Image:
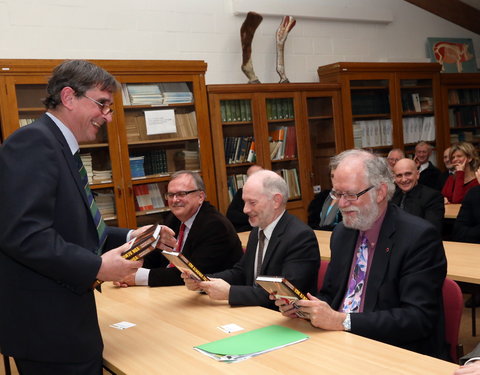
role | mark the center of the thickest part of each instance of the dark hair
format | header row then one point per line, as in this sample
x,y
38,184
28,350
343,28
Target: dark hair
x,y
81,76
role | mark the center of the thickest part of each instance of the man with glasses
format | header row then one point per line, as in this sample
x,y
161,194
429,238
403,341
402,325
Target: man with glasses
x,y
53,242
387,267
279,245
206,237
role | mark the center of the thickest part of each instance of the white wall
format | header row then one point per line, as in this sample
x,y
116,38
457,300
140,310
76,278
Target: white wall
x,y
208,30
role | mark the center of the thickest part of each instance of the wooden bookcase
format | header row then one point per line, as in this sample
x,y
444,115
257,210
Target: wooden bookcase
x,y
387,105
22,86
461,107
307,114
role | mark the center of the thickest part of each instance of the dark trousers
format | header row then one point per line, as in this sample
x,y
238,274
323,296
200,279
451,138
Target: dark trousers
x,y
27,367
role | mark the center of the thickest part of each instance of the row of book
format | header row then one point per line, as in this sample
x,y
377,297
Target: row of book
x,y
148,197
417,129
239,150
163,93
291,178
106,203
372,133
281,108
283,143
464,116
235,110
185,123
464,96
465,136
187,159
370,102
235,182
25,121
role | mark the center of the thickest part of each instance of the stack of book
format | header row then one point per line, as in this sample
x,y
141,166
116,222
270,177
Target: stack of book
x,y
105,203
25,121
239,150
87,163
136,166
176,92
142,94
186,159
102,176
283,143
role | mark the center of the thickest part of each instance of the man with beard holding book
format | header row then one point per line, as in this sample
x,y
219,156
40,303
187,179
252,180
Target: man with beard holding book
x,y
387,267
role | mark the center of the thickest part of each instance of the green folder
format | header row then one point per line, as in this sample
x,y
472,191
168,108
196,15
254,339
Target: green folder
x,y
252,343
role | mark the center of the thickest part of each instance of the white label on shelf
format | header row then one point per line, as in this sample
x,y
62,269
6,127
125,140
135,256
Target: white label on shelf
x,y
160,121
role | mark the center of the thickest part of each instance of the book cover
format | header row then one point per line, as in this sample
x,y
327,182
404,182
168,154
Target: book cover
x,y
281,288
140,246
184,265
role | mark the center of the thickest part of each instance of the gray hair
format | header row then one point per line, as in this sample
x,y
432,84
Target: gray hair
x,y
197,179
376,168
272,183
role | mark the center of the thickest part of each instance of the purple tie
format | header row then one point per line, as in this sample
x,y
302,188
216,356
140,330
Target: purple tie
x,y
353,298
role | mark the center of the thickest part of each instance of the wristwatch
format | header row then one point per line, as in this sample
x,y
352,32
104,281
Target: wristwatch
x,y
347,324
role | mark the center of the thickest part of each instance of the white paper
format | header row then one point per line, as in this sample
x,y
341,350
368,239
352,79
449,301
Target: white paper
x,y
160,121
122,325
229,328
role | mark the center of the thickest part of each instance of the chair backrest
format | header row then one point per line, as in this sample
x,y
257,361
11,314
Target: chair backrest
x,y
321,273
453,309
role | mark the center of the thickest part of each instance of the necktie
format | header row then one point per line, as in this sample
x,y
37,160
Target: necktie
x,y
96,215
402,201
181,233
261,245
353,297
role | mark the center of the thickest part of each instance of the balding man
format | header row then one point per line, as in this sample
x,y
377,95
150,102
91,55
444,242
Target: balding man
x,y
387,267
279,245
415,198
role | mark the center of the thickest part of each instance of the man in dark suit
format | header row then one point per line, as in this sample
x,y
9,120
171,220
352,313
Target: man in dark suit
x,y
429,174
209,240
415,198
467,224
50,248
287,247
387,267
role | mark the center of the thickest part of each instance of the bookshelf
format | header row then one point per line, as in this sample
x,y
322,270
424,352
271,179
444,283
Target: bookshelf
x,y
160,125
461,107
278,119
389,105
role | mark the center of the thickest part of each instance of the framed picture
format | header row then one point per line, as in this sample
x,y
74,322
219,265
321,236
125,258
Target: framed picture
x,y
456,55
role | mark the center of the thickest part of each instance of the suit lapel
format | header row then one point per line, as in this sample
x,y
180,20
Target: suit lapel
x,y
274,241
381,259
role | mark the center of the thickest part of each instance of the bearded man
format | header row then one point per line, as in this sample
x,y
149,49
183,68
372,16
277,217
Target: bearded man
x,y
387,267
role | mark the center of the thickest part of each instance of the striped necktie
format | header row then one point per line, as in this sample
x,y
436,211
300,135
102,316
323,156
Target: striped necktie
x,y
96,215
261,245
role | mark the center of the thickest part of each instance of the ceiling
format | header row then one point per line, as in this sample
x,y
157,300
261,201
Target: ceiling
x,y
465,13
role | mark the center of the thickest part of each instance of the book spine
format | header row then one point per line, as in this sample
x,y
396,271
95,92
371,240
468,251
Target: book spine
x,y
294,290
197,271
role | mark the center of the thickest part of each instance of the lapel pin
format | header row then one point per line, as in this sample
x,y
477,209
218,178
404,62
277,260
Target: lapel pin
x,y
387,250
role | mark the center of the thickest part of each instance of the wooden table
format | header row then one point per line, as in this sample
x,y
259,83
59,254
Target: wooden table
x,y
451,211
463,259
171,320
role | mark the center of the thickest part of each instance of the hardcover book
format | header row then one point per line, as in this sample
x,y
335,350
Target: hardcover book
x,y
184,265
281,288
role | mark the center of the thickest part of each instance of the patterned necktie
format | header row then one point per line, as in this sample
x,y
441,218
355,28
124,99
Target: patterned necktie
x,y
353,297
261,245
181,233
96,215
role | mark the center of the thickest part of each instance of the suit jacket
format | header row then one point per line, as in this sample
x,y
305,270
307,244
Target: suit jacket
x,y
292,252
236,215
317,212
403,299
48,243
423,202
430,177
212,245
467,225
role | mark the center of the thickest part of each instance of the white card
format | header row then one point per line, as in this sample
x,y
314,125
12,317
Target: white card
x,y
122,325
229,328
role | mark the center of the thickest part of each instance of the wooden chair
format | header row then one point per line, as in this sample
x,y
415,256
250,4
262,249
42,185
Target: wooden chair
x,y
453,309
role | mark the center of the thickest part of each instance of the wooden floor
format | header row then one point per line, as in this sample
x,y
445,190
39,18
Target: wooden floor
x,y
466,338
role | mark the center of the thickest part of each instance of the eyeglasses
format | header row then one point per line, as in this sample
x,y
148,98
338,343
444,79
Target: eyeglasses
x,y
104,107
179,194
349,196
